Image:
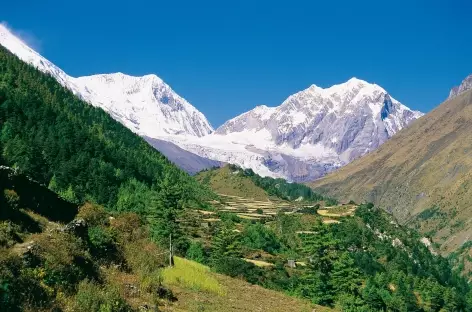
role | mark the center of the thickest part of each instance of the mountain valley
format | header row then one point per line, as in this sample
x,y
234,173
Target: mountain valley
x,y
116,194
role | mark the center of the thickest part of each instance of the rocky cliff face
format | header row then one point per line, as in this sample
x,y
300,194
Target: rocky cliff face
x,y
464,86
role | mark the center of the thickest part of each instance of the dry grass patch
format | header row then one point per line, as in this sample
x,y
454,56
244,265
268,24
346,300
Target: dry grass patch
x,y
259,263
240,297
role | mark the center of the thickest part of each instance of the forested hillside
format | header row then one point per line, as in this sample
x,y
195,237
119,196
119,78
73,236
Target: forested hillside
x,y
111,257
78,150
423,175
363,262
233,180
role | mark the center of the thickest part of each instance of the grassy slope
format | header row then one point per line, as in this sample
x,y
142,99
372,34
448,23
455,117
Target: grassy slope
x,y
193,286
198,289
223,181
426,165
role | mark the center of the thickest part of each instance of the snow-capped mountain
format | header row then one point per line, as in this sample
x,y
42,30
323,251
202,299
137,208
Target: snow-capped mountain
x,y
464,86
146,105
311,133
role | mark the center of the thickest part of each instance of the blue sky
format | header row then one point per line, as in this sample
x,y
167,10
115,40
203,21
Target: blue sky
x,y
226,57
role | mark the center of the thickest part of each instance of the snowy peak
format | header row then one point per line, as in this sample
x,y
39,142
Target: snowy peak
x,y
146,105
313,131
28,55
464,86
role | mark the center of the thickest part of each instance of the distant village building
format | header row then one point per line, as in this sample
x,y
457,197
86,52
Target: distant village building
x,y
291,264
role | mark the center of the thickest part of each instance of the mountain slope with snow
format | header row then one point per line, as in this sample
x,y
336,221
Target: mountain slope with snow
x,y
311,133
146,105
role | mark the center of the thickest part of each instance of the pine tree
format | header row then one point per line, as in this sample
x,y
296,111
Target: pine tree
x,y
345,277
226,244
165,209
320,248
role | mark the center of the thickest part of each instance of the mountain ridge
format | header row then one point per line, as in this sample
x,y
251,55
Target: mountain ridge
x,y
311,133
463,87
421,175
146,95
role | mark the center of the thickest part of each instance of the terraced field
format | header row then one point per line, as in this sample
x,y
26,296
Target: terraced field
x,y
251,209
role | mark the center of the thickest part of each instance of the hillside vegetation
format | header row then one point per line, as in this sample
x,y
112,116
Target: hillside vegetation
x,y
91,260
78,150
235,181
423,175
353,257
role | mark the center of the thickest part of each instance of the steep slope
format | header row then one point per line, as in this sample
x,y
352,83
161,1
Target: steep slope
x,y
463,87
76,149
145,105
422,175
311,133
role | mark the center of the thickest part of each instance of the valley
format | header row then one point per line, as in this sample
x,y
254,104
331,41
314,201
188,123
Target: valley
x,y
118,195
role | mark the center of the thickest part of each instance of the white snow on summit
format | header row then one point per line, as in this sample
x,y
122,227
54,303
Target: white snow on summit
x,y
146,105
312,132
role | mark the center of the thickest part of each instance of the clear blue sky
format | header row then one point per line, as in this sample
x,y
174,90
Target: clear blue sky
x,y
226,57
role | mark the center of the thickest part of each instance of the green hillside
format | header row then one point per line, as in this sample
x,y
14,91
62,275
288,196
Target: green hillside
x,y
228,180
423,175
234,181
91,260
76,149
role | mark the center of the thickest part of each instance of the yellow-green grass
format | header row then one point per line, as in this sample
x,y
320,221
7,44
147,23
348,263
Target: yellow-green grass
x,y
259,263
247,217
336,211
193,275
206,212
330,221
212,220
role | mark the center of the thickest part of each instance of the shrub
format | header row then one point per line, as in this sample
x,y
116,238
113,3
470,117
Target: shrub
x,y
128,225
93,214
20,287
145,259
93,297
236,267
11,198
196,252
8,234
64,260
102,242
